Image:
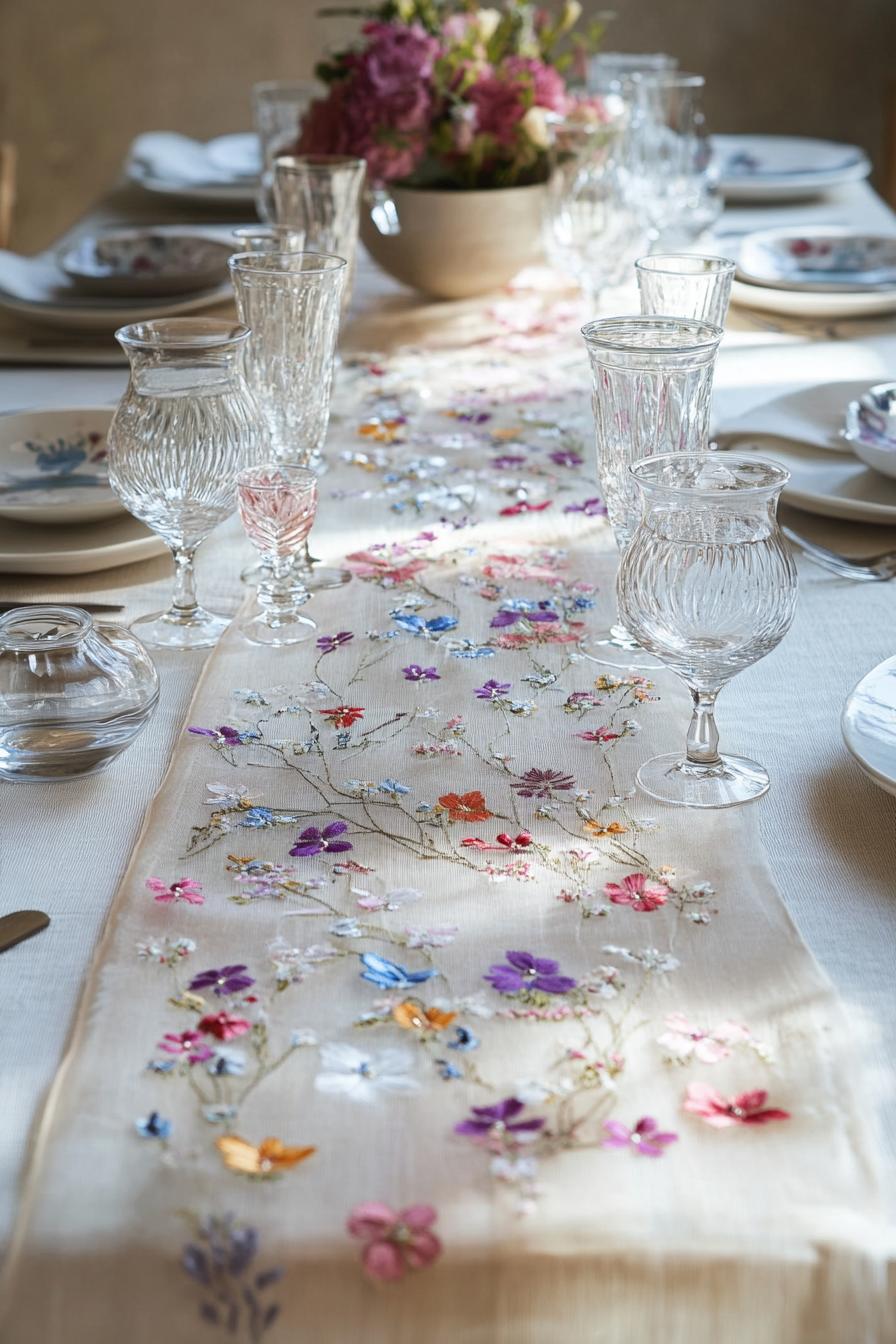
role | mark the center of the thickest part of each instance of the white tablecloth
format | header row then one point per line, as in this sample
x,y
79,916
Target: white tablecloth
x,y
830,835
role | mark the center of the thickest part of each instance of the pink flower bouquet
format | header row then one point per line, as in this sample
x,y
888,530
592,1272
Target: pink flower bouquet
x,y
433,97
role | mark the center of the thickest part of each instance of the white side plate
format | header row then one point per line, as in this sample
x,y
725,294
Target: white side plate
x,y
76,550
804,303
757,168
53,467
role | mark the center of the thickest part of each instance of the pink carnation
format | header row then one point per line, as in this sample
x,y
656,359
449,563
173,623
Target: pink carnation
x,y
548,88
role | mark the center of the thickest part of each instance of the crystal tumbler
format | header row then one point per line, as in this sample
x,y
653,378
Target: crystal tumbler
x,y
683,284
73,694
185,427
708,585
321,194
277,504
278,107
652,385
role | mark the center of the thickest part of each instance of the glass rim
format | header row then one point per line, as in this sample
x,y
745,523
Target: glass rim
x,y
313,162
688,325
660,60
720,265
182,333
264,230
292,470
81,620
675,78
780,475
273,263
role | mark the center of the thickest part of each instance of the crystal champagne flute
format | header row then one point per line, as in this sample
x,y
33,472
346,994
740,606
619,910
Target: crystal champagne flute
x,y
277,504
708,585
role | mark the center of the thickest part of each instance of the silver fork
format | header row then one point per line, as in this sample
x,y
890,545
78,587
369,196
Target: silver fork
x,y
877,568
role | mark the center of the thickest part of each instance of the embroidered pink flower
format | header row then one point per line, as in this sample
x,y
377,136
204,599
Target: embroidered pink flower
x,y
188,1044
184,889
748,1108
384,568
682,1039
224,1026
637,891
395,1241
599,735
646,1138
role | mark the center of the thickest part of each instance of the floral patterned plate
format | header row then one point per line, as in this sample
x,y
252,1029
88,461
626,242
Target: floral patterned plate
x,y
832,260
755,168
53,466
146,261
869,725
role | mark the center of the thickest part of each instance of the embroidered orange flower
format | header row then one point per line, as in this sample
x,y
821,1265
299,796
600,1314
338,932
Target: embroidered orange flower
x,y
465,806
384,431
343,716
598,830
269,1158
414,1017
507,434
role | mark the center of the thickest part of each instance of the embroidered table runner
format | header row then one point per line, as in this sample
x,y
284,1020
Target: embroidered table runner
x,y
412,1020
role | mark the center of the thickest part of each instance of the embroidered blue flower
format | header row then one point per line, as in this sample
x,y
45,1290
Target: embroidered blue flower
x,y
257,817
153,1126
468,649
392,787
227,1063
161,1065
463,1039
415,625
447,1070
389,975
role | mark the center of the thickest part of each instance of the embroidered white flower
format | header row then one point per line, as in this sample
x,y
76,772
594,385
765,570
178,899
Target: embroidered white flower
x,y
227,795
361,1074
438,936
683,1039
648,957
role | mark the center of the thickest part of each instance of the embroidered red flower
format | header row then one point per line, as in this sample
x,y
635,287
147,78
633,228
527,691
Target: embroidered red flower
x,y
503,841
598,735
523,506
343,716
224,1026
748,1108
637,891
465,806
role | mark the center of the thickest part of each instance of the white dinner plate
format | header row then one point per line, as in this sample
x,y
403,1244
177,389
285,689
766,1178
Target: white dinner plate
x,y
84,314
806,303
835,485
757,168
868,724
54,468
831,260
84,549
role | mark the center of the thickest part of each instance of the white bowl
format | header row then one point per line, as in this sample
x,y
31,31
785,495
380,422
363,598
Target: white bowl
x,y
53,466
870,425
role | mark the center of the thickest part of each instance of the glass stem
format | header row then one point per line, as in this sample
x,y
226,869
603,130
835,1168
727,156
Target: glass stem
x,y
703,735
184,601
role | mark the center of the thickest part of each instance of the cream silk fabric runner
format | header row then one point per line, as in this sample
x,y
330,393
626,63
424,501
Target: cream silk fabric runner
x,y
746,1232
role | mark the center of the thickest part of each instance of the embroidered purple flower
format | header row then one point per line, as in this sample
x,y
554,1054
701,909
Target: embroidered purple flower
x,y
486,1122
592,508
473,417
329,643
224,735
188,1045
645,1138
523,971
507,461
541,783
492,690
505,617
225,980
315,841
414,672
565,457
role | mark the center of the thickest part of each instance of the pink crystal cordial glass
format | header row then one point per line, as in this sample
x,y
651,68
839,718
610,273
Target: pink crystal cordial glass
x,y
277,504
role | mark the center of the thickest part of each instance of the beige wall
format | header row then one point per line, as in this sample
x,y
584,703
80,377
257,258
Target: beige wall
x,y
80,78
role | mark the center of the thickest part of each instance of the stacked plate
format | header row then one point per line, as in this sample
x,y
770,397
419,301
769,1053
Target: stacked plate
x,y
757,168
58,513
817,272
223,171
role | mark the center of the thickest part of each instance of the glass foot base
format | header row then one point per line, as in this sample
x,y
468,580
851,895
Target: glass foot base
x,y
275,630
674,779
166,630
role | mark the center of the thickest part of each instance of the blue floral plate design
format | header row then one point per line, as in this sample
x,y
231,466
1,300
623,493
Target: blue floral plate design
x,y
53,466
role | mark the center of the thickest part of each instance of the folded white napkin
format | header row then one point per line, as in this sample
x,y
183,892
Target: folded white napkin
x,y
171,157
35,279
812,416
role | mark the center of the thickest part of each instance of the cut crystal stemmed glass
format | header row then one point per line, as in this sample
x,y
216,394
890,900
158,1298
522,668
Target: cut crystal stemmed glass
x,y
708,585
668,151
278,108
277,504
184,429
652,385
684,284
321,194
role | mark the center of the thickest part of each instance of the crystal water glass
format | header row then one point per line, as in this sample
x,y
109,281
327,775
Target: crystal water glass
x,y
669,153
611,71
684,284
291,301
268,238
278,108
651,393
708,585
277,504
321,194
184,429
590,228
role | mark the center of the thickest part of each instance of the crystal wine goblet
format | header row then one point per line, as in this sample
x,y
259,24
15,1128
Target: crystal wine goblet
x,y
185,427
707,584
291,302
683,284
277,504
652,385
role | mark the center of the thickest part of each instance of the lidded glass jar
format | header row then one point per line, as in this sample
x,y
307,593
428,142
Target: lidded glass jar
x,y
73,694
